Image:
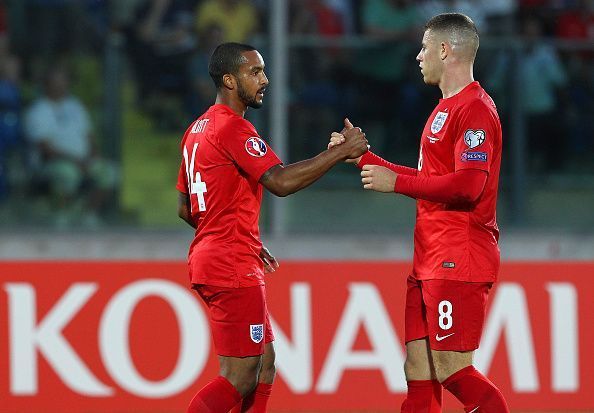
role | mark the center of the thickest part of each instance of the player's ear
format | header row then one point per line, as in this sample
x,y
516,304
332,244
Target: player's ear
x,y
444,50
229,81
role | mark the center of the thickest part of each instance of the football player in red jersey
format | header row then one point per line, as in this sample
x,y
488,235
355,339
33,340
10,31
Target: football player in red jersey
x,y
225,163
456,255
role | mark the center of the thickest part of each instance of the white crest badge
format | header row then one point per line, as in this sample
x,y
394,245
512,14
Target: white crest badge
x,y
438,121
474,138
256,332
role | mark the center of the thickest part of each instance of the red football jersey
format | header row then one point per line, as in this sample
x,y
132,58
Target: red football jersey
x,y
453,242
223,158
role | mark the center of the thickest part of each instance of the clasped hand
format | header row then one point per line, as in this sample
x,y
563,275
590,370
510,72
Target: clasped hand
x,y
374,177
353,140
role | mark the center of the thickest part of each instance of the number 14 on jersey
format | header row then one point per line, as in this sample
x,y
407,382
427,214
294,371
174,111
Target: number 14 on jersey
x,y
195,183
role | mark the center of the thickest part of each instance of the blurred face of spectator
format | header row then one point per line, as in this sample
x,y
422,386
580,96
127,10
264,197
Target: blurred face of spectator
x,y
211,37
231,3
251,80
429,58
57,84
532,29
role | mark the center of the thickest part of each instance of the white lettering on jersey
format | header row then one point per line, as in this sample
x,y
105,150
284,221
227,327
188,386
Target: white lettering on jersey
x,y
199,126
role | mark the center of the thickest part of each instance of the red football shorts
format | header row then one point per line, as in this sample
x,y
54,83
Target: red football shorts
x,y
238,319
451,313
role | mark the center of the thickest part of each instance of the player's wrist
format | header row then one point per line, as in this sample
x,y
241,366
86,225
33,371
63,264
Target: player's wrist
x,y
364,159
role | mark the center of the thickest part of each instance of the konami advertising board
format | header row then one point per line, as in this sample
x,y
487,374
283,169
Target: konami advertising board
x,y
131,336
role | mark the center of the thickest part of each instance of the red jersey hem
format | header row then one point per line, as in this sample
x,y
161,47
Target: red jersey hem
x,y
465,278
225,284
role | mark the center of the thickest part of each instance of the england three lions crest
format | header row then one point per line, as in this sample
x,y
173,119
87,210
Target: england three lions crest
x,y
256,332
438,121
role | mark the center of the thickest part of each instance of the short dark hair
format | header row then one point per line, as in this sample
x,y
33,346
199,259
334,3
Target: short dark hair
x,y
460,29
451,21
226,58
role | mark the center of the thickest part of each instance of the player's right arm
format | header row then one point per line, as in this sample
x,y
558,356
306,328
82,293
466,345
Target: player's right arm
x,y
184,209
285,180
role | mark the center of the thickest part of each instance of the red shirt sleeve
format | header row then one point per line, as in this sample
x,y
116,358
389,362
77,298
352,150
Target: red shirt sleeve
x,y
182,179
182,176
462,187
476,134
243,144
370,158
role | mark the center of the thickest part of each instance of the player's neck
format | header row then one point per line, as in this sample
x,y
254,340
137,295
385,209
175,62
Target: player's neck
x,y
454,81
238,107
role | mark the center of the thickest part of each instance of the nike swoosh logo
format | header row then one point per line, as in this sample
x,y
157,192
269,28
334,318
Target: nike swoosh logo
x,y
475,409
438,338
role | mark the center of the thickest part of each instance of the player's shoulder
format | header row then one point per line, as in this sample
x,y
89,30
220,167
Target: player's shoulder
x,y
236,127
478,99
478,106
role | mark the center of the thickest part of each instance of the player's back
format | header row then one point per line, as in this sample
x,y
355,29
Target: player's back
x,y
225,197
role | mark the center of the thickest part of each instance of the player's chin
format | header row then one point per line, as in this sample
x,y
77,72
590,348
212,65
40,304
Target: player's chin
x,y
429,81
256,103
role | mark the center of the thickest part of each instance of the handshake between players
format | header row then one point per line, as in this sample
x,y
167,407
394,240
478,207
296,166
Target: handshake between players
x,y
375,177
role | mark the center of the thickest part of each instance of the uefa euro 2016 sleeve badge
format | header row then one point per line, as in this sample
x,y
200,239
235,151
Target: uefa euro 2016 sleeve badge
x,y
256,332
438,121
255,147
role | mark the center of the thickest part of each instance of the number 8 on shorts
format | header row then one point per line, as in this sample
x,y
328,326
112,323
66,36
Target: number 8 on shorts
x,y
445,315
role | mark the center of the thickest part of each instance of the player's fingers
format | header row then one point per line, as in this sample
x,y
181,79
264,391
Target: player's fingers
x,y
268,266
365,173
347,123
368,167
367,180
368,186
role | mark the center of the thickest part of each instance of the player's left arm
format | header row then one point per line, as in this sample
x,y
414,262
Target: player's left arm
x,y
270,263
184,209
478,137
461,187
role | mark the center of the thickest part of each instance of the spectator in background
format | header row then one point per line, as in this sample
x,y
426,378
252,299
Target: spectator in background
x,y
316,101
65,162
237,18
316,17
396,26
577,22
55,28
201,93
542,77
161,44
10,112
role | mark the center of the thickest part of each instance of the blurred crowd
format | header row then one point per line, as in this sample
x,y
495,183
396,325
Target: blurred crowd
x,y
51,82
